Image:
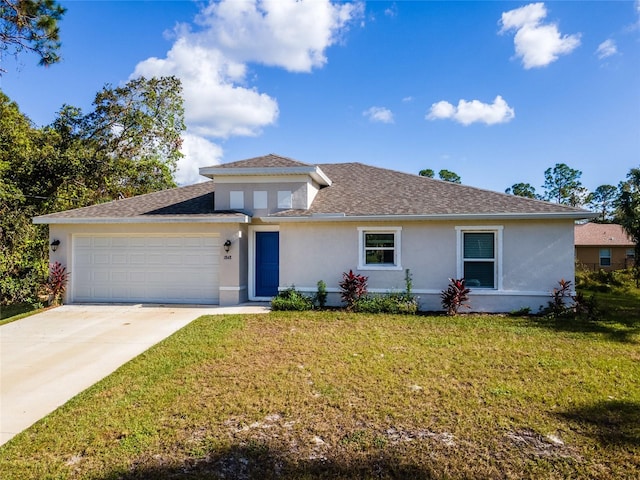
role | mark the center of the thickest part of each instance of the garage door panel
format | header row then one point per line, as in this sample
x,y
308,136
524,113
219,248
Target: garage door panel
x,y
152,269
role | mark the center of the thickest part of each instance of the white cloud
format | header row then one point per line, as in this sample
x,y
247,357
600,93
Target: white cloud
x,y
211,59
407,99
606,49
198,152
536,43
474,111
379,114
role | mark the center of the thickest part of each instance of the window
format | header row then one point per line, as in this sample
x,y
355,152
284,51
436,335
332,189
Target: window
x,y
260,199
605,257
284,199
379,248
236,200
479,256
631,253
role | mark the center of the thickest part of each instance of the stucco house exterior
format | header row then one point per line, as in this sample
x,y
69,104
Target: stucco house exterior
x,y
603,246
271,222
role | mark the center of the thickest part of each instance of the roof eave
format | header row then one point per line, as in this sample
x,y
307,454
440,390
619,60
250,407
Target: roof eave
x,y
341,217
143,219
314,172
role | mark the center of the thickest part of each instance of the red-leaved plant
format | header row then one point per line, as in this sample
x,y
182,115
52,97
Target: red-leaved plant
x,y
353,287
454,296
56,284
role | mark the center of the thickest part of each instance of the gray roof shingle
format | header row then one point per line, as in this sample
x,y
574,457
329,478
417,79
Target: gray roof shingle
x,y
357,190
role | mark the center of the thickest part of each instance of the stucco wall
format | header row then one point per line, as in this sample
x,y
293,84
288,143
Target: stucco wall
x,y
302,194
535,256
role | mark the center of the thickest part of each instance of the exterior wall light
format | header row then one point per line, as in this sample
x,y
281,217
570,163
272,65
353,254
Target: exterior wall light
x,y
54,245
227,246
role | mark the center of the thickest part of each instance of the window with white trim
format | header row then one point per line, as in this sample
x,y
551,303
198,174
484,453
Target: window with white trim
x,y
260,199
479,256
605,257
379,248
284,199
236,200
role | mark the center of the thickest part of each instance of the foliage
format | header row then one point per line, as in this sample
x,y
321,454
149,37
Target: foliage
x,y
353,287
127,146
56,283
449,176
393,303
522,190
602,200
31,25
559,305
562,185
427,172
604,280
291,299
628,213
321,295
455,296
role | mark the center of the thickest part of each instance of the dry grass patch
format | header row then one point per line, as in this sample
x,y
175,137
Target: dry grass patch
x,y
335,395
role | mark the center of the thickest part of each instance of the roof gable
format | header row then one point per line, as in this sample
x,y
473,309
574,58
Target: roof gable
x,y
266,161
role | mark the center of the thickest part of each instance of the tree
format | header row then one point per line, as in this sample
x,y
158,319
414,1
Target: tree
x,y
602,200
449,176
427,172
628,213
562,185
522,190
31,25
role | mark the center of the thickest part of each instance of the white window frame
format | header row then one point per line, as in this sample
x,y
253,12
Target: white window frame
x,y
397,248
600,256
497,231
260,200
285,199
236,200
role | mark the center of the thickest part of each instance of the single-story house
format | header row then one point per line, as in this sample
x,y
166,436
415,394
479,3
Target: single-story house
x,y
271,222
603,246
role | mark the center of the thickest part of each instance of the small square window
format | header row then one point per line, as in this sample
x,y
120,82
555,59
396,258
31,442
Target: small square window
x,y
236,200
260,199
605,257
284,199
379,249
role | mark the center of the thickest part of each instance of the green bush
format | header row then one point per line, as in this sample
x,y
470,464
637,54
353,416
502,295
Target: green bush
x,y
399,303
291,299
605,281
321,295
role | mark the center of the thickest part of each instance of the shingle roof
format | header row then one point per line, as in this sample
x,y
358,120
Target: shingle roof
x,y
266,161
357,190
601,234
360,189
192,201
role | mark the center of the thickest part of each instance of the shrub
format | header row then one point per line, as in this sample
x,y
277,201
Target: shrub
x,y
321,295
353,288
291,299
454,296
397,303
56,283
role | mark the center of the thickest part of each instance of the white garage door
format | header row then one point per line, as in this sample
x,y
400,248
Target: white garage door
x,y
146,269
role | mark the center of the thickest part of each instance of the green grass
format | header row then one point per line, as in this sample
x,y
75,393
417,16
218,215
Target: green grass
x,y
11,313
336,395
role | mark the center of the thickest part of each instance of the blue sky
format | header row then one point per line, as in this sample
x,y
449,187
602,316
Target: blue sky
x,y
494,91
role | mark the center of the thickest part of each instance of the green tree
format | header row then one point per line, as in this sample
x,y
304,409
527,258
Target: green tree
x,y
31,25
522,190
628,213
562,185
602,200
427,172
449,176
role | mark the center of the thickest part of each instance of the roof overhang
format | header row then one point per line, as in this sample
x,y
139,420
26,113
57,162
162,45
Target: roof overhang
x,y
341,217
313,171
240,218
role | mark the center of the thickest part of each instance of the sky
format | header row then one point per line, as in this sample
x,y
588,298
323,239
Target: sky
x,y
495,91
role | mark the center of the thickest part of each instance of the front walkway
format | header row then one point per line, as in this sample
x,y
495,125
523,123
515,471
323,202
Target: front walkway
x,y
48,358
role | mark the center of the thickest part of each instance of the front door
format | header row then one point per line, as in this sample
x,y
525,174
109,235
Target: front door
x,y
267,263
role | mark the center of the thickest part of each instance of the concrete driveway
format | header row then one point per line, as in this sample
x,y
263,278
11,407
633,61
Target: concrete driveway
x,y
48,358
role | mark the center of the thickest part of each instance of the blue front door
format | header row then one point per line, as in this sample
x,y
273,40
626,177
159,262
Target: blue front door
x,y
267,263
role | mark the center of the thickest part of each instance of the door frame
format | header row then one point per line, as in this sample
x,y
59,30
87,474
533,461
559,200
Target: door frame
x,y
252,259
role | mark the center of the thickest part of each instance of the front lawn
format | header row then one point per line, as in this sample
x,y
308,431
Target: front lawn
x,y
336,395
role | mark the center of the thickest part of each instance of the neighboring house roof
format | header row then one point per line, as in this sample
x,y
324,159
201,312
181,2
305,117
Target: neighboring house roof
x,y
191,203
601,234
352,190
